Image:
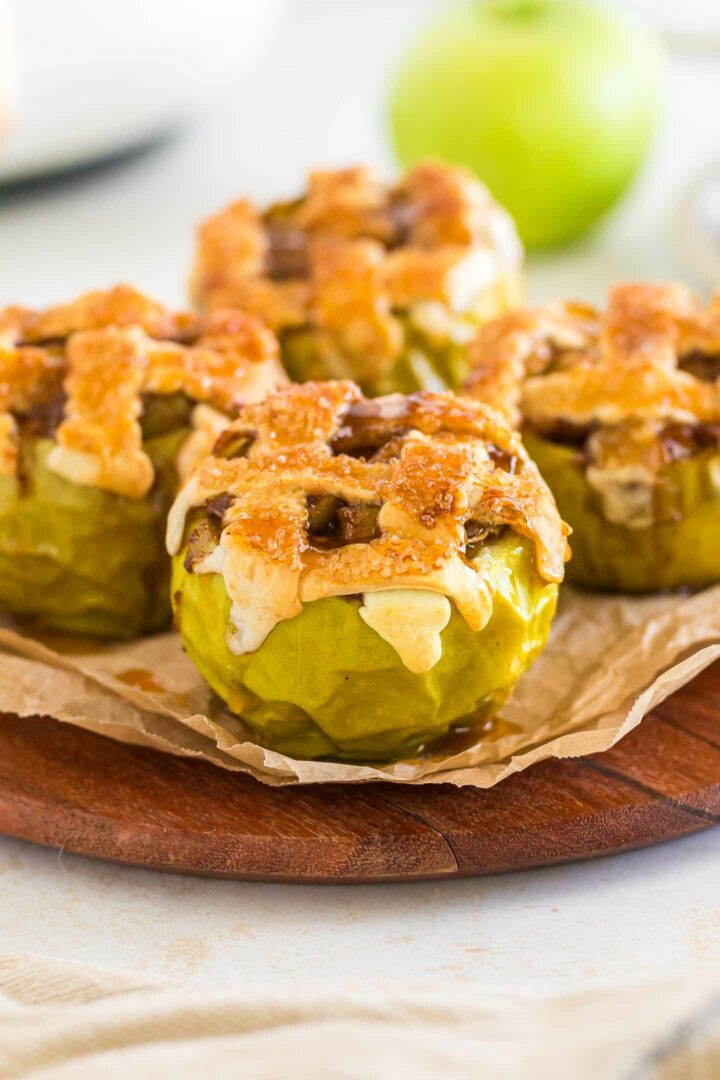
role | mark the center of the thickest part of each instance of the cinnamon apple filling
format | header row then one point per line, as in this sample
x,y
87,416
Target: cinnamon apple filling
x,y
332,522
701,365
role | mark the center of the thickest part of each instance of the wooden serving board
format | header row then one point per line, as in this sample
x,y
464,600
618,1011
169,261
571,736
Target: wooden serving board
x,y
70,789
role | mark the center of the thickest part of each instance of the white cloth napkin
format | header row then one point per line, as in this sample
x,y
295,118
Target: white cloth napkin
x,y
71,1023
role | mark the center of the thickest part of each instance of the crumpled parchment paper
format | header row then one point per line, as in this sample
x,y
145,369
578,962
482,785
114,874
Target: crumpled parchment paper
x,y
610,660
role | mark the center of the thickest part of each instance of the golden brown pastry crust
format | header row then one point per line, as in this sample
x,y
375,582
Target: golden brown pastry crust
x,y
429,462
571,363
350,254
103,352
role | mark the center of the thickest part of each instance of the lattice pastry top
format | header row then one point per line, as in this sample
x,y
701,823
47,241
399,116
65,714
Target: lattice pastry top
x,y
320,492
351,252
653,356
90,363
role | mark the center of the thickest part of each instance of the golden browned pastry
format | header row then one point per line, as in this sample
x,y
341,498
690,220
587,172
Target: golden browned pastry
x,y
384,285
104,404
621,411
356,576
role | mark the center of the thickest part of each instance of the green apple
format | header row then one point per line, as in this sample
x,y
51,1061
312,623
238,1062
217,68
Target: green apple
x,y
553,103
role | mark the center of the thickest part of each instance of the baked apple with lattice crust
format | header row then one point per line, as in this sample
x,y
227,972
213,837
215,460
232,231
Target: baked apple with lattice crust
x,y
358,578
621,411
381,284
105,403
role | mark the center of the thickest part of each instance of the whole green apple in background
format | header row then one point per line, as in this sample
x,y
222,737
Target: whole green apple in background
x,y
552,103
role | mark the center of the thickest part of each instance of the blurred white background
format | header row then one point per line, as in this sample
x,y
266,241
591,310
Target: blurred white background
x,y
94,77
318,97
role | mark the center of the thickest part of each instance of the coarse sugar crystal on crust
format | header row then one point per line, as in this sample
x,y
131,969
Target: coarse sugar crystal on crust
x,y
421,468
97,357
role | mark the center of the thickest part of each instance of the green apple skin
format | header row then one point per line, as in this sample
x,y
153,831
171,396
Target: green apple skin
x,y
324,685
80,560
553,103
679,551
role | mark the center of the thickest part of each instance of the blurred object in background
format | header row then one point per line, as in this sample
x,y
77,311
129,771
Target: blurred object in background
x,y
697,227
8,69
553,103
693,26
98,77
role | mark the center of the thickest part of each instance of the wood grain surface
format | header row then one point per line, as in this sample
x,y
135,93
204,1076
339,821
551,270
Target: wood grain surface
x,y
73,790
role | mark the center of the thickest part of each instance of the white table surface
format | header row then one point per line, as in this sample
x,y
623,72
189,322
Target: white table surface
x,y
625,917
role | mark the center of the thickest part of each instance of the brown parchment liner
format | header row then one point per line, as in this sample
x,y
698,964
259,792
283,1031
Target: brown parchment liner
x,y
609,662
